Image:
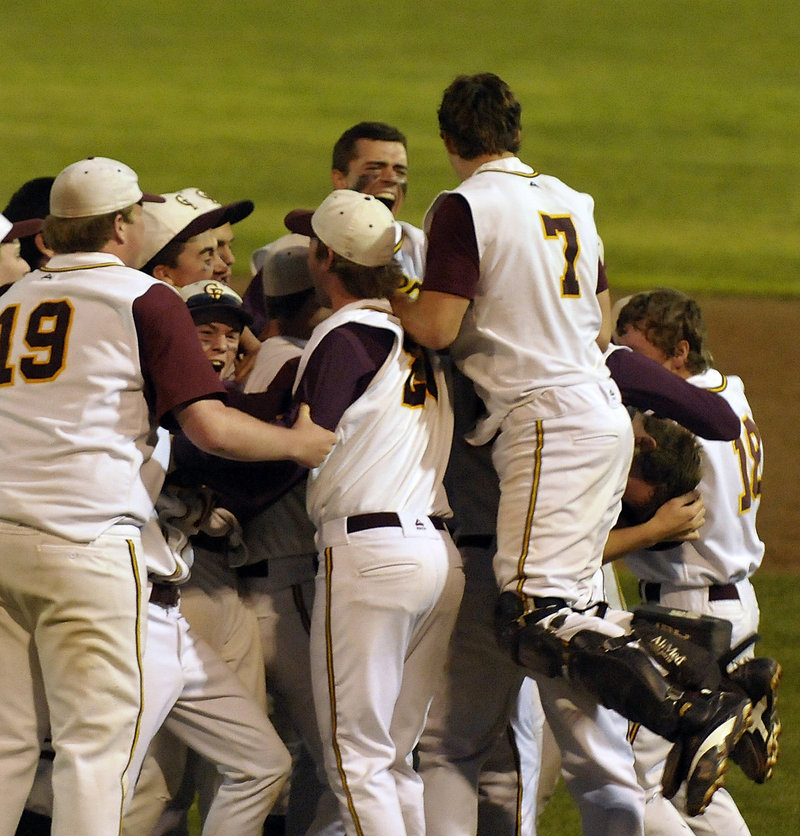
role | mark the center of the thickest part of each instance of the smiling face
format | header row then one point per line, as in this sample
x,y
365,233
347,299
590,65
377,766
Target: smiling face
x,y
379,168
219,335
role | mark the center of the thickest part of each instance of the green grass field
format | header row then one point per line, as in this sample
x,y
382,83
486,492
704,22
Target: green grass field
x,y
680,117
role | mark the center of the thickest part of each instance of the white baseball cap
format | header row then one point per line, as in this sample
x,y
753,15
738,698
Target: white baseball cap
x,y
234,212
285,266
5,227
176,218
211,295
95,186
354,225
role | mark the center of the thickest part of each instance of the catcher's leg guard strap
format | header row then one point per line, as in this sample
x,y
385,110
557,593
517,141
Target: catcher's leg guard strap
x,y
518,631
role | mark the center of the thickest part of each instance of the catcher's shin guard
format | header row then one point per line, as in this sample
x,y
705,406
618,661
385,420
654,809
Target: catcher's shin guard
x,y
623,677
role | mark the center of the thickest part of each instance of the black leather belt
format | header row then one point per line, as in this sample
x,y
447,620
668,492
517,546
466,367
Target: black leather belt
x,y
384,519
475,541
716,592
166,594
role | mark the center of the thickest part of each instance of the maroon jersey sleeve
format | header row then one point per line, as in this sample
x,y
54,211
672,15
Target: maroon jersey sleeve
x,y
645,384
340,369
452,263
175,369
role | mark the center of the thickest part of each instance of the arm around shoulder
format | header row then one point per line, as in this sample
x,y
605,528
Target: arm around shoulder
x,y
433,319
227,432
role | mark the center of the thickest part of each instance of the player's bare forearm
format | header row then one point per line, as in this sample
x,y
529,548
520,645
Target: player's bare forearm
x,y
677,519
231,434
433,319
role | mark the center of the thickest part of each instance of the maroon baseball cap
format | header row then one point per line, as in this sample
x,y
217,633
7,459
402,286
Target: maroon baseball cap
x,y
22,229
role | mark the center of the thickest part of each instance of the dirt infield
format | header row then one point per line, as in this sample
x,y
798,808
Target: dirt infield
x,y
757,339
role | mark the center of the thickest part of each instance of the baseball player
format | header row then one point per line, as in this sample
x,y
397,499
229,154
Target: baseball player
x,y
712,573
113,352
369,157
510,286
12,265
389,579
466,733
218,690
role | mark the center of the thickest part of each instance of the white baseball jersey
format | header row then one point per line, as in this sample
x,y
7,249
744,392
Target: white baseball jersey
x,y
274,353
411,254
80,458
512,343
394,458
729,549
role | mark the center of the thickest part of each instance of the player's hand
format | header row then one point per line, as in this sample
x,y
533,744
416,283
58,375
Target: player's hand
x,y
680,518
314,442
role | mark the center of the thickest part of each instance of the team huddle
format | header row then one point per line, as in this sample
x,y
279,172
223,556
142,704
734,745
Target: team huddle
x,y
336,556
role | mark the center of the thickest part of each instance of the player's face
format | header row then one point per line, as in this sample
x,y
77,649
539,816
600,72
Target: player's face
x,y
12,266
637,341
220,343
225,258
379,168
196,262
638,493
134,236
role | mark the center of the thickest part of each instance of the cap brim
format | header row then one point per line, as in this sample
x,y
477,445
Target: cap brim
x,y
299,221
151,198
199,305
22,229
208,220
235,212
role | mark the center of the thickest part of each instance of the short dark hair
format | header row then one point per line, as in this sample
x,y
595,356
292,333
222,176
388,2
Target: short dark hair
x,y
30,200
665,317
480,115
672,468
82,235
360,281
344,149
167,255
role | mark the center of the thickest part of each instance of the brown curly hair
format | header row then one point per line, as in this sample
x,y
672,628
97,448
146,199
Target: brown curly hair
x,y
665,317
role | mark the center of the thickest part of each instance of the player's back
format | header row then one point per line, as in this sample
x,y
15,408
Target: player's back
x,y
394,440
535,315
74,424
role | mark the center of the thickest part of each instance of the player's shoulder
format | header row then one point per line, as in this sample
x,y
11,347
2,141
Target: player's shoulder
x,y
413,234
558,188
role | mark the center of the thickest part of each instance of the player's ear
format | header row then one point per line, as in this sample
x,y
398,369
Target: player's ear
x,y
339,179
42,247
161,272
680,355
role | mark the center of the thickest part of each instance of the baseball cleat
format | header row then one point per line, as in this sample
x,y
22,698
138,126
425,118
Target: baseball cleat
x,y
757,750
701,757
